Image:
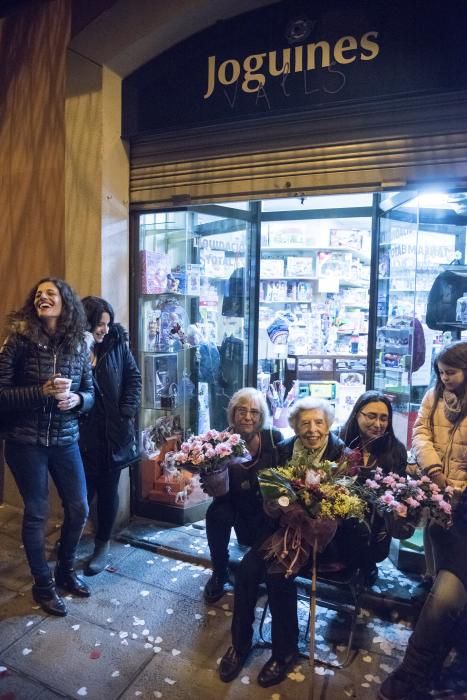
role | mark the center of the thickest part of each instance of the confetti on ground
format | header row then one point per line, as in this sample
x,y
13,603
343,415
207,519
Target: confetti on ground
x,y
115,674
95,654
170,681
144,593
82,691
26,651
245,680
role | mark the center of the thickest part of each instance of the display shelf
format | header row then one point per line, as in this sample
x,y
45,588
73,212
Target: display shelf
x,y
363,257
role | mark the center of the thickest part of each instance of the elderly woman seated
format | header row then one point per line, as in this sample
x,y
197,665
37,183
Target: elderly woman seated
x,y
241,508
311,420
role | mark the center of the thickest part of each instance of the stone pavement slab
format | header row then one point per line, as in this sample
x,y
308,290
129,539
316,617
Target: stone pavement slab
x,y
147,633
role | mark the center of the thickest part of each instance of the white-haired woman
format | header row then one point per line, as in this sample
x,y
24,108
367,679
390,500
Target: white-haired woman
x,y
241,509
311,420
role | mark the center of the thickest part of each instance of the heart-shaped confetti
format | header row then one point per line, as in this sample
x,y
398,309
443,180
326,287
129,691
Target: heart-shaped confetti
x,y
158,640
123,635
367,659
26,651
144,593
169,611
245,680
148,646
75,627
212,613
297,677
170,681
137,622
175,652
28,624
124,642
95,654
82,691
115,674
198,616
156,650
145,632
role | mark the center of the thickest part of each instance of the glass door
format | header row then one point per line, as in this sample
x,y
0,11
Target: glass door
x,y
420,236
193,316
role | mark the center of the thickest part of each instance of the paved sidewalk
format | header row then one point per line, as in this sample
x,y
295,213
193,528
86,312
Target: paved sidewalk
x,y
146,632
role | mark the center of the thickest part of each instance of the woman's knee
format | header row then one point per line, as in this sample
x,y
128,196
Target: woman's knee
x,y
449,593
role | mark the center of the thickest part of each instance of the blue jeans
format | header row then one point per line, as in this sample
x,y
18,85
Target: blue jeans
x,y
30,466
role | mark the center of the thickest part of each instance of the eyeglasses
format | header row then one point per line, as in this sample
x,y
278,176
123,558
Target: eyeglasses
x,y
373,417
244,412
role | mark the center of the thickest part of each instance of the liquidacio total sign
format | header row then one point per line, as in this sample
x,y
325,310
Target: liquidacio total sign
x,y
295,55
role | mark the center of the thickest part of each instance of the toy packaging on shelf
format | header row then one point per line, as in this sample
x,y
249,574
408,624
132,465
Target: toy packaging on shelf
x,y
333,264
154,270
345,238
272,268
160,381
299,267
293,234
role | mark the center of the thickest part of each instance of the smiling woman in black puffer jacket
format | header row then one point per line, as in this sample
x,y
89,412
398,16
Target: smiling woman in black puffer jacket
x,y
45,383
108,440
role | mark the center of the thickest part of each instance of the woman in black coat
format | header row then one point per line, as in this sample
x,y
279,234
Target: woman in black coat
x,y
369,432
107,440
45,383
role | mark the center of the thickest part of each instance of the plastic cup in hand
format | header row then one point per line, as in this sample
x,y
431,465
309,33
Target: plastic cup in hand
x,y
64,384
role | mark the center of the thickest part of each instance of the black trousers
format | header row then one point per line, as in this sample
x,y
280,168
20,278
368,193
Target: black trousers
x,y
282,593
104,485
222,515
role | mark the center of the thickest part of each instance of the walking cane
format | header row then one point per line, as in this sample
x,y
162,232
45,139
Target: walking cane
x,y
311,686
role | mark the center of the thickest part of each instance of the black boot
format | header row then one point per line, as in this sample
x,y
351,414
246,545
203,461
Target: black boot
x,y
66,578
45,594
98,561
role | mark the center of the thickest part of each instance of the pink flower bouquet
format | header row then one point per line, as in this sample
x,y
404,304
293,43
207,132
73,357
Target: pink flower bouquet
x,y
405,497
210,452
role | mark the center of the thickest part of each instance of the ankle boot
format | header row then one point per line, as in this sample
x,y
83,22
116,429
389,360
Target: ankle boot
x,y
66,578
98,560
45,594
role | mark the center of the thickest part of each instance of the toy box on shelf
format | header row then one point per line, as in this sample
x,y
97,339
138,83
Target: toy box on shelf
x,y
293,234
154,268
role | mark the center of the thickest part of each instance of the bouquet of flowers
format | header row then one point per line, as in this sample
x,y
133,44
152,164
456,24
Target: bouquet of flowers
x,y
311,500
412,499
210,455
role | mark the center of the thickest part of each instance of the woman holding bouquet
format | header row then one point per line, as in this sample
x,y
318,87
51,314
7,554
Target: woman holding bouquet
x,y
241,508
369,434
440,434
311,420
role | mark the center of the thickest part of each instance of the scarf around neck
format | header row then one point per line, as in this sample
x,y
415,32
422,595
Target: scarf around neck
x,y
452,406
313,455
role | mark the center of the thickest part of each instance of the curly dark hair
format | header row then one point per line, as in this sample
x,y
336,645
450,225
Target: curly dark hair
x,y
453,355
94,307
71,325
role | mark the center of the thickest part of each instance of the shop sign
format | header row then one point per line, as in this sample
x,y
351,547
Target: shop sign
x,y
293,56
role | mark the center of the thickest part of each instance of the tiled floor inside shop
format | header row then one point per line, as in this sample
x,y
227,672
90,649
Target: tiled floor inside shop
x,y
146,632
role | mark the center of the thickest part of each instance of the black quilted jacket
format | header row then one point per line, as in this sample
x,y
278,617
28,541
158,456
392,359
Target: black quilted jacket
x,y
117,382
28,417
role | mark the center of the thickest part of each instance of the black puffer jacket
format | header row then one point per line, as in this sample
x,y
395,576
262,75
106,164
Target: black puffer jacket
x,y
107,436
26,415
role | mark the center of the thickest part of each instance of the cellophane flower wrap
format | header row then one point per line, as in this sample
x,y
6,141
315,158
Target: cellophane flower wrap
x,y
413,499
310,501
210,452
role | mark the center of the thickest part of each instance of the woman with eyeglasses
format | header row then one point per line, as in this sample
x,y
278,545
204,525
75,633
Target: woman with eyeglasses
x,y
241,508
369,430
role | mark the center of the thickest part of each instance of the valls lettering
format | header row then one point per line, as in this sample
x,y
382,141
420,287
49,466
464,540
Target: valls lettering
x,y
260,66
